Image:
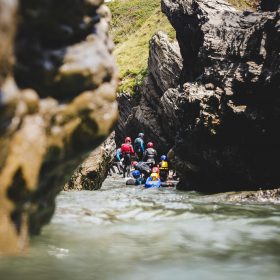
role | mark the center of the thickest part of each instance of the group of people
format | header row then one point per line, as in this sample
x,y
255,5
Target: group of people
x,y
142,159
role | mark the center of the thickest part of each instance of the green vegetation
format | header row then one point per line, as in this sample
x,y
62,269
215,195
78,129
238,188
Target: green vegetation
x,y
134,23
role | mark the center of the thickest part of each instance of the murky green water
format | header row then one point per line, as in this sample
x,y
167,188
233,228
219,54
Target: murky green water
x,y
124,232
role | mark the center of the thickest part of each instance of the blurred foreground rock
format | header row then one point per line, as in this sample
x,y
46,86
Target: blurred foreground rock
x,y
63,108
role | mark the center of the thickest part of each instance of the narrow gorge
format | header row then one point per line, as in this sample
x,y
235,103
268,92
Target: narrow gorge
x,y
214,102
200,78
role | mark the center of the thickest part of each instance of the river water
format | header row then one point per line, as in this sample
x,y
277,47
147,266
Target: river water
x,y
125,232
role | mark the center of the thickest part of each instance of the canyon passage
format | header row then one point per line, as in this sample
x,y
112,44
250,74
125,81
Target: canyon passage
x,y
200,78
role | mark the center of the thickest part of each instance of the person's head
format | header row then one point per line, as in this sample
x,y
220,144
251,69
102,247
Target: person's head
x,y
134,163
150,145
163,157
136,174
127,140
141,135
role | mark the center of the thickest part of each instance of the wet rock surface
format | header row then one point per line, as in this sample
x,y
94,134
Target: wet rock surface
x,y
261,196
220,114
270,5
59,105
93,171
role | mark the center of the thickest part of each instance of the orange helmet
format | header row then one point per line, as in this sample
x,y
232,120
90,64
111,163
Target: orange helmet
x,y
127,139
150,145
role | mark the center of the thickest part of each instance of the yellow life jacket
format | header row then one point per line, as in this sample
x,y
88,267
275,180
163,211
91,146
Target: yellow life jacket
x,y
164,164
154,176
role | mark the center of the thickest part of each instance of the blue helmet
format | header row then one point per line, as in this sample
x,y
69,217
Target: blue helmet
x,y
163,157
136,174
141,135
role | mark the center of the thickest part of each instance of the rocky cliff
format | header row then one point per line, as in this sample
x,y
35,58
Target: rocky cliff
x,y
220,114
94,170
56,106
269,5
148,111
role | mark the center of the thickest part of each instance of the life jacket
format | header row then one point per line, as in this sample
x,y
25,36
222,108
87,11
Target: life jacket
x,y
154,176
164,165
127,149
150,153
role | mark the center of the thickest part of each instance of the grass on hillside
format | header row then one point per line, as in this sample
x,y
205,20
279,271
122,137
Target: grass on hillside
x,y
133,25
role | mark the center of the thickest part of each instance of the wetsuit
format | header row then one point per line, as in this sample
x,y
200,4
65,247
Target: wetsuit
x,y
116,163
163,170
150,155
118,160
144,168
126,151
139,147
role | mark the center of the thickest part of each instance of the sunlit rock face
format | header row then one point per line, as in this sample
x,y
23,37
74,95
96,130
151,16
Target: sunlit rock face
x,y
220,114
56,106
93,171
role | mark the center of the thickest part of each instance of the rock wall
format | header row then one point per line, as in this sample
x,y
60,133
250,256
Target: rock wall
x,y
149,112
61,106
220,113
270,5
93,171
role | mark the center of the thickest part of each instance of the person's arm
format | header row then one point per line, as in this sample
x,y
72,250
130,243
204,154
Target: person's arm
x,y
118,156
132,150
142,146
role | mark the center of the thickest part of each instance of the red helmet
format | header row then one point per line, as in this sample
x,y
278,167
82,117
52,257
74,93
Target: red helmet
x,y
150,145
127,139
134,163
155,170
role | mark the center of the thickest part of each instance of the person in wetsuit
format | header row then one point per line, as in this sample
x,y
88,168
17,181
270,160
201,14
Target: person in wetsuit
x,y
139,146
163,168
150,154
116,163
143,167
127,151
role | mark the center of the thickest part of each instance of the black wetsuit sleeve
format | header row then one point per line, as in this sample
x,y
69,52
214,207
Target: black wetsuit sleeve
x,y
145,155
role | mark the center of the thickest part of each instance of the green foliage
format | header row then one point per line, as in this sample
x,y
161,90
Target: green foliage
x,y
132,81
134,23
